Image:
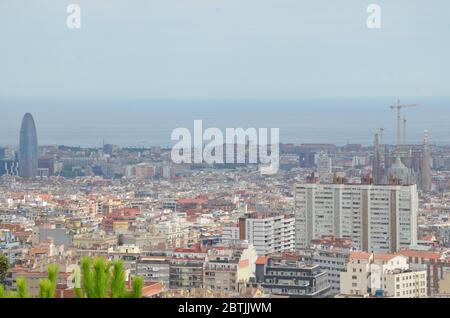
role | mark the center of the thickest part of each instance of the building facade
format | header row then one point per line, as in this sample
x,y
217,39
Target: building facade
x,y
374,217
154,269
227,267
286,275
28,154
332,255
382,275
186,268
268,232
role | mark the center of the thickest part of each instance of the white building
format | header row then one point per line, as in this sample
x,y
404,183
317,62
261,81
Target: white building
x,y
377,218
324,164
382,275
268,232
332,255
230,233
358,161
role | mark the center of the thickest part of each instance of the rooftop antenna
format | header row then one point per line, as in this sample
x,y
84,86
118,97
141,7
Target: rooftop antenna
x,y
399,107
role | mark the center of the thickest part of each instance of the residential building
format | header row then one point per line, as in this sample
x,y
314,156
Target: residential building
x,y
376,218
382,275
186,268
154,269
332,255
286,275
436,264
268,232
229,266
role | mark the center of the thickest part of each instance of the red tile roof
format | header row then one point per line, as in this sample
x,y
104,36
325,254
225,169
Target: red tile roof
x,y
262,260
152,289
360,255
421,254
384,256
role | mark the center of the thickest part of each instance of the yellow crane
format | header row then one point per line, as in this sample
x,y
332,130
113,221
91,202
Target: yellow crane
x,y
399,107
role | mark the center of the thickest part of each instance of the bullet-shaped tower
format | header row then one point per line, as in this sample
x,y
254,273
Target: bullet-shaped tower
x,y
28,152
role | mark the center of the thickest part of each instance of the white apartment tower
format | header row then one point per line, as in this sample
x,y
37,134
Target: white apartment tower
x,y
268,232
324,164
377,218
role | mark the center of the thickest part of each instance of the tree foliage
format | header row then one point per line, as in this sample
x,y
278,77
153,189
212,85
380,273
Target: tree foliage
x,y
47,287
136,291
44,289
118,279
102,279
4,265
97,278
22,288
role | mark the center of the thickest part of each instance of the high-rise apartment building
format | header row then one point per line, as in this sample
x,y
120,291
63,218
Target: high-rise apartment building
x,y
378,218
268,232
28,156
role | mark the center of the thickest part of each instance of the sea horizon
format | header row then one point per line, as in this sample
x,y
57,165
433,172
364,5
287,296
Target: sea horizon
x,y
90,122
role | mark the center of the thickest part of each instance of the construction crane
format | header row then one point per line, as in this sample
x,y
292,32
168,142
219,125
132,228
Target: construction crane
x,y
404,130
399,107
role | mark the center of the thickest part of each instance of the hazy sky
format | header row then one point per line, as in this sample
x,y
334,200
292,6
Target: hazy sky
x,y
224,48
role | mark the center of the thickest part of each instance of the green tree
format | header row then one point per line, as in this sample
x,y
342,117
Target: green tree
x,y
97,278
102,279
136,291
87,281
22,288
77,282
118,280
4,266
7,294
44,289
47,287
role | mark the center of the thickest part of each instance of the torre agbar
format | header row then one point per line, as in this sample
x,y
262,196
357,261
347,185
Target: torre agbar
x,y
28,156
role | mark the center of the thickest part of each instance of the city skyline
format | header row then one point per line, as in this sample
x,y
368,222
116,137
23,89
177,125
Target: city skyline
x,y
144,123
224,150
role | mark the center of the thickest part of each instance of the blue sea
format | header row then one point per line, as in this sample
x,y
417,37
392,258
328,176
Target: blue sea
x,y
137,123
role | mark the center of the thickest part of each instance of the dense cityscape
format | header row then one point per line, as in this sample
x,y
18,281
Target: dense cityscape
x,y
351,221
